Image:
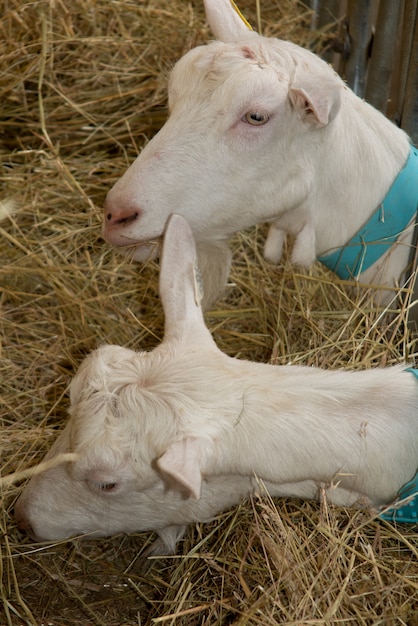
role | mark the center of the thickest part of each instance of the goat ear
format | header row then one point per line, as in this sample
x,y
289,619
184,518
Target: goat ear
x,y
317,103
180,283
226,21
181,464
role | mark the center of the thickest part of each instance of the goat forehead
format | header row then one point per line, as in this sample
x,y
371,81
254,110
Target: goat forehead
x,y
235,57
111,373
104,432
104,370
212,65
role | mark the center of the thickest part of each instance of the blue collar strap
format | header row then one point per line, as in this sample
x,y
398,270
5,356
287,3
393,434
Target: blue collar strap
x,y
383,228
405,509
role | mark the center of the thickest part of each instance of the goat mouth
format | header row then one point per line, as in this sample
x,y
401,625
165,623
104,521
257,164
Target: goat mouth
x,y
120,239
141,250
134,243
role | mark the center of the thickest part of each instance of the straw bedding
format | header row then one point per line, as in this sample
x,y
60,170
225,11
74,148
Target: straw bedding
x,y
83,87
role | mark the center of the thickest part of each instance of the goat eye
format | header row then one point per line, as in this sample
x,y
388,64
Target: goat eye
x,y
104,487
256,118
107,486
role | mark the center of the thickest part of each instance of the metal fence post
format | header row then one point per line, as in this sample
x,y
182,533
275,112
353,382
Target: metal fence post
x,y
409,104
381,63
360,31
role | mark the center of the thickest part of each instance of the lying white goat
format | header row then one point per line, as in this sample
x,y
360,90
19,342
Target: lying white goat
x,y
175,435
263,130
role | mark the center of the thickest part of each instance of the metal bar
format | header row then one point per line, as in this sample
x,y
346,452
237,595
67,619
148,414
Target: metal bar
x,y
409,115
406,37
328,13
359,29
381,63
315,6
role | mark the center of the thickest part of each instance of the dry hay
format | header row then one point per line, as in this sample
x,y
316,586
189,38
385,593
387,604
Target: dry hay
x,y
83,85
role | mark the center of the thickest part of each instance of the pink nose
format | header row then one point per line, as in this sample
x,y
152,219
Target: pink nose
x,y
120,218
119,213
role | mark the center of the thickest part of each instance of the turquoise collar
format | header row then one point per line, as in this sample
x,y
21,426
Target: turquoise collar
x,y
391,217
413,371
405,509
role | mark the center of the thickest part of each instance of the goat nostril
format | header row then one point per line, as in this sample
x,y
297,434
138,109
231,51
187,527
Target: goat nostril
x,y
128,218
125,219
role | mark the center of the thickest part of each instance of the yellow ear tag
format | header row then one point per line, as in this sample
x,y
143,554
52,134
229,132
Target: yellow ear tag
x,y
241,15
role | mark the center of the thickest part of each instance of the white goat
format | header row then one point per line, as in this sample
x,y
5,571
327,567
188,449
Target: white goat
x,y
175,435
261,130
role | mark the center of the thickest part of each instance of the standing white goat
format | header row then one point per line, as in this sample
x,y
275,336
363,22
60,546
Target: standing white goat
x,y
262,130
173,436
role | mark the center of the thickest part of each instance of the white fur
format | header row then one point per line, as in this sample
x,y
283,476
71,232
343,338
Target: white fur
x,y
317,169
185,431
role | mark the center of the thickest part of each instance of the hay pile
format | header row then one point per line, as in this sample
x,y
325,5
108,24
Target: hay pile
x,y
83,85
